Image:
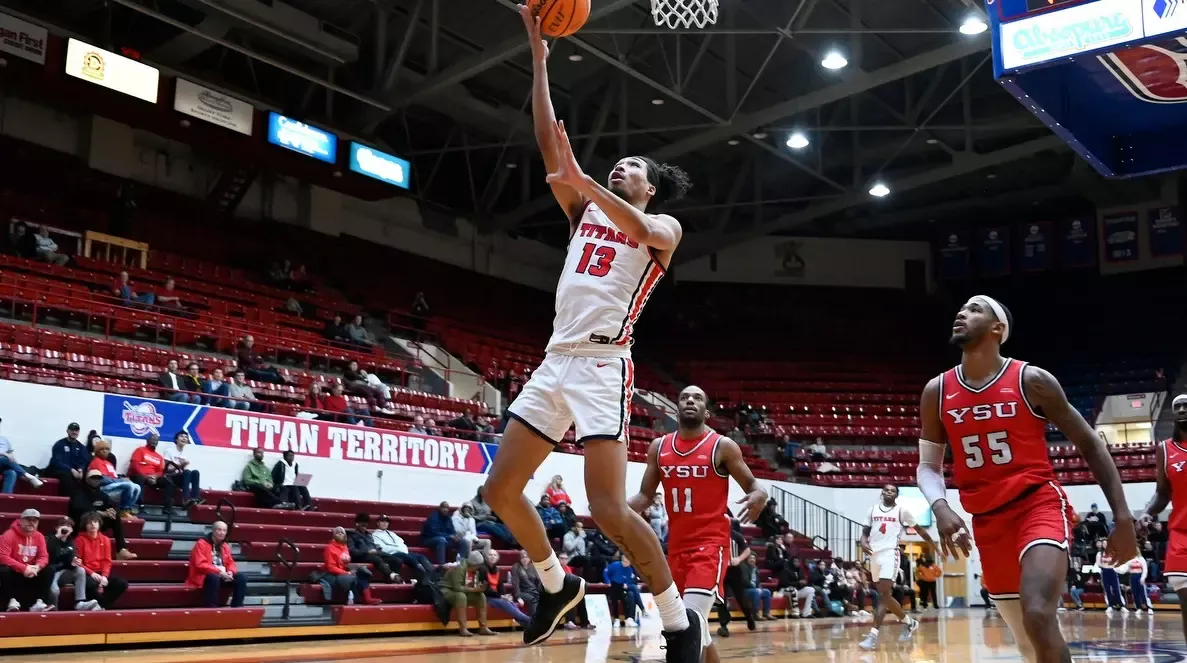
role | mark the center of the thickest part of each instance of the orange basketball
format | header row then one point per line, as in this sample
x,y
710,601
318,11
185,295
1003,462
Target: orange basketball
x,y
561,18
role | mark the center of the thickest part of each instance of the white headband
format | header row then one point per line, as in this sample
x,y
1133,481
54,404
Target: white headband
x,y
1181,398
999,311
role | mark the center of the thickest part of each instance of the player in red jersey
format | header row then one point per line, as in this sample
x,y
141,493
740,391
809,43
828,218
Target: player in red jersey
x,y
1171,488
694,465
994,412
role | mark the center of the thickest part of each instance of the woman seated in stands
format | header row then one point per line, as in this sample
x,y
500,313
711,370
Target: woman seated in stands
x,y
465,585
494,587
94,553
525,583
90,497
336,574
122,489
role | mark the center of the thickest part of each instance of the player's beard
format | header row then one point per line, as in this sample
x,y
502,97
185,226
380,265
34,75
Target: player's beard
x,y
688,422
1179,434
960,339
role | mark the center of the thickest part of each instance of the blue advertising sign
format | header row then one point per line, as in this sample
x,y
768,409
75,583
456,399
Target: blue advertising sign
x,y
303,138
954,255
993,251
380,165
1166,231
1035,246
1121,236
1077,243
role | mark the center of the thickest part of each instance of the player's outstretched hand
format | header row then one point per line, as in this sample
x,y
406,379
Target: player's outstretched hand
x,y
532,22
754,502
954,534
568,171
1123,542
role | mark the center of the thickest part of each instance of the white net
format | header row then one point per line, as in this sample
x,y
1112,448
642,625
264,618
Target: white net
x,y
684,13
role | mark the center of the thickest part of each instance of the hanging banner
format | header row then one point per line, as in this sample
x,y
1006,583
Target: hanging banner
x,y
213,106
1166,231
954,255
993,252
1077,243
1120,236
22,38
112,71
1035,246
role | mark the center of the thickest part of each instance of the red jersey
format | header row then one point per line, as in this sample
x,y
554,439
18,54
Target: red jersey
x,y
1175,456
999,442
696,492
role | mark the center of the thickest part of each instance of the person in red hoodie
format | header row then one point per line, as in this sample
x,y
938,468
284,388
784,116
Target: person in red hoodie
x,y
336,573
24,562
94,549
147,468
211,566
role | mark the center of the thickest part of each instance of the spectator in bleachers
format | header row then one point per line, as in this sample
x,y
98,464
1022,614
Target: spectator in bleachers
x,y
554,523
21,242
253,364
357,383
392,546
336,331
216,389
556,491
357,333
47,248
495,597
818,578
418,426
68,461
168,298
119,488
94,553
770,522
64,564
1095,522
486,432
291,305
438,532
818,450
464,427
467,528
568,515
432,429
315,399
337,575
657,516
364,550
280,272
465,585
284,477
90,497
1075,586
601,551
11,470
574,545
212,567
578,617
777,555
756,594
240,396
525,583
25,576
336,401
192,381
173,386
790,450
488,523
177,466
624,587
123,290
147,467
257,479
904,593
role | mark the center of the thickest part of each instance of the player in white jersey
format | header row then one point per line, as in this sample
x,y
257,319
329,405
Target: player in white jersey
x,y
879,539
617,252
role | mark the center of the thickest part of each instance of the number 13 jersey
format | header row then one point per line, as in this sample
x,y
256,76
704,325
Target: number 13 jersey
x,y
998,440
606,280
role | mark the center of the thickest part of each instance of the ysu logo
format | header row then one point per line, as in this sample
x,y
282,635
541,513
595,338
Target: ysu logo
x,y
685,471
983,412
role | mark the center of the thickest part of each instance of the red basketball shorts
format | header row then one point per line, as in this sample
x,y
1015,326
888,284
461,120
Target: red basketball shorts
x,y
1175,568
1042,516
700,570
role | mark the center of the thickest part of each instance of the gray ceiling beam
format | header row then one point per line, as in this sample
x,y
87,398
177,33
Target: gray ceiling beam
x,y
696,246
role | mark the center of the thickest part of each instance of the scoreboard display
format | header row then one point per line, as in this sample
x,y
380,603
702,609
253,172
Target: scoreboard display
x,y
1010,10
1040,5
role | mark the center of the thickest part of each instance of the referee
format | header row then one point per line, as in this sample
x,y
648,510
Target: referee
x,y
739,552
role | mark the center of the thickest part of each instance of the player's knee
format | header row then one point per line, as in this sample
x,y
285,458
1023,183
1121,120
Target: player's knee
x,y
1037,616
499,495
610,512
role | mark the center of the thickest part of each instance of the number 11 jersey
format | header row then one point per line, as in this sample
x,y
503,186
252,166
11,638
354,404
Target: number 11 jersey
x,y
998,440
696,493
603,287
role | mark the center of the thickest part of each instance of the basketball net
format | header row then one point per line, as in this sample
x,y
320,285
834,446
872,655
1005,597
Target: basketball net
x,y
684,13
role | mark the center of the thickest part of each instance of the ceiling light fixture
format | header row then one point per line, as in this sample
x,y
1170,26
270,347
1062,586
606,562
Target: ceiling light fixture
x,y
834,60
879,190
973,25
657,102
797,140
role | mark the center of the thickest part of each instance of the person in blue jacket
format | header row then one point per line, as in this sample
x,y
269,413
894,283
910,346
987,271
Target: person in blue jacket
x,y
68,461
438,532
624,586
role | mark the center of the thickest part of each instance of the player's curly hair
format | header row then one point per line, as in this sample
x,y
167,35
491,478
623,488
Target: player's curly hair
x,y
670,181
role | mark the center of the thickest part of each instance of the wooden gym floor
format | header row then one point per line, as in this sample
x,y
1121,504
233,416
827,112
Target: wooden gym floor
x,y
951,636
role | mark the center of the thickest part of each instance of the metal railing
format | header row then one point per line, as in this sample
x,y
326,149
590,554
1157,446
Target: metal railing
x,y
289,563
229,520
827,529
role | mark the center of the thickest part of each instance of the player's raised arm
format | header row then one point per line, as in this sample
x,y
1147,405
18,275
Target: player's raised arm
x,y
729,455
1044,393
1162,485
544,117
650,483
954,538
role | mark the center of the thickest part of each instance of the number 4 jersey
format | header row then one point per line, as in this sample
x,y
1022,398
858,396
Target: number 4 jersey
x,y
606,280
998,440
696,493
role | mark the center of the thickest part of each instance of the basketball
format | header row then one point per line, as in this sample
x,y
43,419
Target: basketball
x,y
561,18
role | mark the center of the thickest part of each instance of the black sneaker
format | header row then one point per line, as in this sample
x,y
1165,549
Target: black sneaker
x,y
553,608
687,646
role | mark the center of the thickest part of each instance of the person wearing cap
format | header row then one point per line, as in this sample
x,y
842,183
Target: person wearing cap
x,y
123,490
88,497
364,550
24,564
68,461
465,585
11,470
391,546
212,567
337,575
94,554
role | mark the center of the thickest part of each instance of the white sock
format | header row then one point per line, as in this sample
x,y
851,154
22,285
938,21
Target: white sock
x,y
552,575
874,631
907,619
671,609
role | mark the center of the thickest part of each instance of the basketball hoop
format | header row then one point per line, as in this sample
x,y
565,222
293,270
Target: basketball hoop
x,y
684,13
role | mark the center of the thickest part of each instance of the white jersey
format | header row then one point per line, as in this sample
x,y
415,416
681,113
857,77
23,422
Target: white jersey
x,y
606,280
886,526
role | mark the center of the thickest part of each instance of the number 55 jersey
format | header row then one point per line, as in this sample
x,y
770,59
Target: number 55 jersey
x,y
1003,471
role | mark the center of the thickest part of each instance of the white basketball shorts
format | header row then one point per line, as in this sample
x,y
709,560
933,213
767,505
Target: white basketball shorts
x,y
592,392
884,565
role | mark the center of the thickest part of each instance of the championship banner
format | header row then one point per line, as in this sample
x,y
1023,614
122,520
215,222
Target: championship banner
x,y
1120,236
1035,246
993,252
112,71
213,106
129,417
22,38
954,255
1077,243
1166,231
